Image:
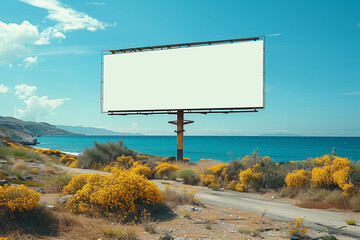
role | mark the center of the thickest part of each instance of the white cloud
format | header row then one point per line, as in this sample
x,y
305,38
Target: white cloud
x,y
24,91
274,35
352,93
95,3
4,89
67,20
16,40
30,61
38,107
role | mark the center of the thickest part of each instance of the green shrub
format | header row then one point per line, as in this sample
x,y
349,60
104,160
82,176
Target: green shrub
x,y
185,173
30,155
190,177
103,154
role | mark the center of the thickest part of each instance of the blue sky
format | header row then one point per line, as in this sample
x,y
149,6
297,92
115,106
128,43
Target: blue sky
x,y
50,60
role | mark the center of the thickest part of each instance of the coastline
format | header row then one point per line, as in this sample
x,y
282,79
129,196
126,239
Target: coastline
x,y
220,148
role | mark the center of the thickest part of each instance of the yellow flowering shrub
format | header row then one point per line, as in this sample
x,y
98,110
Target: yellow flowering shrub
x,y
246,160
16,145
208,179
240,187
143,170
322,176
296,228
123,161
76,183
321,161
231,185
218,168
296,179
249,176
18,198
334,173
73,164
67,159
165,169
120,194
48,151
348,189
206,160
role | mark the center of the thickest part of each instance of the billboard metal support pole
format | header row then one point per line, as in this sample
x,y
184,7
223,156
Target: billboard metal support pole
x,y
180,135
180,122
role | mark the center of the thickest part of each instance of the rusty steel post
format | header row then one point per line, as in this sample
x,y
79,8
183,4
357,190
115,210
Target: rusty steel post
x,y
180,135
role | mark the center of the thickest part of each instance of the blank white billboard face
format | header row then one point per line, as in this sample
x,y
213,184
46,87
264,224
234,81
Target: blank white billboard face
x,y
222,76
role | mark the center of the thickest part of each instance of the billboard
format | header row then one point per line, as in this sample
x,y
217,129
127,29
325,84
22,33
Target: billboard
x,y
191,77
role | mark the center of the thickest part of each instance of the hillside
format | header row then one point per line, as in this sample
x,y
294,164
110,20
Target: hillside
x,y
17,136
33,128
93,131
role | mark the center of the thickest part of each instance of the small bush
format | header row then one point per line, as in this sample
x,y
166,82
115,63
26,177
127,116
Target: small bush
x,y
297,179
185,173
166,170
56,184
123,194
192,179
351,222
179,196
20,165
336,198
103,154
250,232
149,227
18,198
119,234
48,170
143,170
355,203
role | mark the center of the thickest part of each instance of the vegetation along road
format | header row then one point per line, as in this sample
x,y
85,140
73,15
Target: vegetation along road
x,y
278,209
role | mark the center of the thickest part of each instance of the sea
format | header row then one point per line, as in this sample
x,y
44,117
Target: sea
x,y
222,148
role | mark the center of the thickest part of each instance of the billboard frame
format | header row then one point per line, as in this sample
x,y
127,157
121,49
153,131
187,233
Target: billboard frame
x,y
176,46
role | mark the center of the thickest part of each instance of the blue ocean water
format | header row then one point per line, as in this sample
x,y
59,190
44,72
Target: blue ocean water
x,y
224,148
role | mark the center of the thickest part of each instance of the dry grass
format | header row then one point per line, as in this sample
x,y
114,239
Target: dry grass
x,y
39,221
355,203
314,204
323,199
49,170
82,227
198,168
179,196
20,165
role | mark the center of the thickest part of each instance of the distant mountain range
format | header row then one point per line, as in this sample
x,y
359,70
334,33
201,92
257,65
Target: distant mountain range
x,y
94,131
280,135
33,128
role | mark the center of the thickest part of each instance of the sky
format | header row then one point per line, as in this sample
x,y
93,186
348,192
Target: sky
x,y
50,61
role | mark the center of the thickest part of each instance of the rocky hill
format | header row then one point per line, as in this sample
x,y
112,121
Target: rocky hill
x,y
95,131
17,136
33,128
